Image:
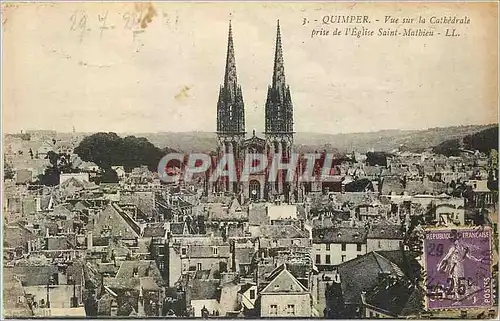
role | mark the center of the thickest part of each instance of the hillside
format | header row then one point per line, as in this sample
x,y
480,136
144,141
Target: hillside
x,y
483,141
385,140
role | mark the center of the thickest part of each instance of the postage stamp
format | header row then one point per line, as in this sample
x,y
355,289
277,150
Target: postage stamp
x,y
458,267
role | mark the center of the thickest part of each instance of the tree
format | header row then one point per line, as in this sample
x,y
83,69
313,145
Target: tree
x,y
59,163
448,148
109,175
376,158
493,170
8,171
108,149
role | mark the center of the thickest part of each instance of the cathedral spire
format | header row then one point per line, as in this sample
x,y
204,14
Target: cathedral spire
x,y
279,67
230,76
279,107
230,107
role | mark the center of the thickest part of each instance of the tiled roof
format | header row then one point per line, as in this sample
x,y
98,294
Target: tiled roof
x,y
372,170
216,199
144,268
244,255
282,231
108,268
282,281
58,243
392,184
12,290
360,185
177,228
104,305
15,235
354,283
416,187
40,275
386,232
204,289
62,210
339,235
395,296
112,219
157,230
257,214
144,201
122,283
355,198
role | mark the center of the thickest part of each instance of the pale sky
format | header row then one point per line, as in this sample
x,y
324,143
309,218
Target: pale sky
x,y
167,76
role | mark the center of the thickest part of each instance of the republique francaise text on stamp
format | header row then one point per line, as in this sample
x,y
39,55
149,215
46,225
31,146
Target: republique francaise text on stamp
x,y
458,267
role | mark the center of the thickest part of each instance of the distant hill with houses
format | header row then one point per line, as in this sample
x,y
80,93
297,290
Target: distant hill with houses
x,y
385,140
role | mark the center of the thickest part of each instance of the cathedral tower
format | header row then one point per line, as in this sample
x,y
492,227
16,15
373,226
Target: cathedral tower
x,y
230,113
279,113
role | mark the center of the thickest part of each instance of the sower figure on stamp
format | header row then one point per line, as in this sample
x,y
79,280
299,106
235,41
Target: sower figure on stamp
x,y
453,265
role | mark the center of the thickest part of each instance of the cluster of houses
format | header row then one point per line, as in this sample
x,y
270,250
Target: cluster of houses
x,y
143,248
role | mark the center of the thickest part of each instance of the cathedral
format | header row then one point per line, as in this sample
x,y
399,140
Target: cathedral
x,y
278,135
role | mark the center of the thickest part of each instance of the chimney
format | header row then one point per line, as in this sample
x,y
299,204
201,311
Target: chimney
x,y
140,308
89,240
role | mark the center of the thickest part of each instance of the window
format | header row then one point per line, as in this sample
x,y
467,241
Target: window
x,y
183,251
328,247
273,309
371,315
343,258
318,259
198,266
215,250
379,244
328,259
358,247
344,246
290,309
252,294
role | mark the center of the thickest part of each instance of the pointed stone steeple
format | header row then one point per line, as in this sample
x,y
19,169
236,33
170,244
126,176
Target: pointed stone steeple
x,y
279,107
279,117
230,108
230,77
279,67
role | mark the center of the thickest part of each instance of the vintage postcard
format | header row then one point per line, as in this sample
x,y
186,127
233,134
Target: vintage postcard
x,y
324,160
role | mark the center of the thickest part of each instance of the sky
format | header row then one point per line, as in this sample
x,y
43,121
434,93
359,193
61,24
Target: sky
x,y
105,72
